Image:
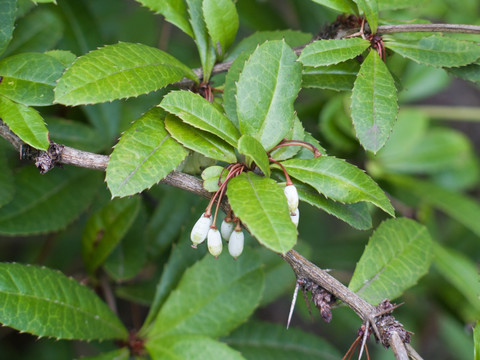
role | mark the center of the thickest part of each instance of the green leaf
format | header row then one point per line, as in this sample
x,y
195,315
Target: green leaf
x,y
356,215
370,10
38,31
174,11
297,132
476,340
145,154
205,47
75,134
254,151
65,57
105,229
266,341
25,122
7,190
460,207
211,176
212,298
198,112
181,258
190,347
45,302
330,52
200,141
46,203
374,103
436,51
119,354
265,98
398,253
249,44
338,180
339,77
346,6
261,205
396,4
7,21
470,72
230,88
118,71
460,271
29,78
221,19
128,257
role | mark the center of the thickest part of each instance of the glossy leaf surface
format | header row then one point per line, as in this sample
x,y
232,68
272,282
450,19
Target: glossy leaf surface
x,y
221,19
250,147
330,52
398,253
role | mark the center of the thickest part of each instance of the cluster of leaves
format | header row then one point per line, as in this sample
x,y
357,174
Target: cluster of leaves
x,y
198,301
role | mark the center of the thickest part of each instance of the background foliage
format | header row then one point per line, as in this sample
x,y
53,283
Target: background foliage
x,y
428,166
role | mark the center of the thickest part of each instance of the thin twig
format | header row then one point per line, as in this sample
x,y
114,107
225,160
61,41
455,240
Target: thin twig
x,y
398,347
451,28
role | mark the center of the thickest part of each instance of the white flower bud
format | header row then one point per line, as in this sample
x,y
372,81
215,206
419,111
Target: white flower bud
x,y
295,217
214,242
226,229
235,245
292,197
200,230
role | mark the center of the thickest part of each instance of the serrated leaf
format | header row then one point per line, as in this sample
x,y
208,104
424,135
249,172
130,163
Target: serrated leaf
x,y
374,103
254,151
210,177
356,215
105,229
398,253
266,90
230,88
198,112
145,154
470,72
189,347
339,77
65,57
38,31
370,10
181,258
338,180
29,78
200,141
460,271
330,52
278,343
206,48
174,11
7,190
46,203
297,132
221,19
7,21
250,43
460,207
118,71
436,51
25,122
262,206
44,302
213,297
346,6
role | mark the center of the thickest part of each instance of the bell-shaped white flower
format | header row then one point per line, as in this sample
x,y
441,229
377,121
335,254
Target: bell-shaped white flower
x,y
235,244
295,217
200,230
292,197
226,229
214,242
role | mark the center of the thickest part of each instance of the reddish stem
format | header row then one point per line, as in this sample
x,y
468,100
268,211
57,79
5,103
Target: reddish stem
x,y
305,144
287,177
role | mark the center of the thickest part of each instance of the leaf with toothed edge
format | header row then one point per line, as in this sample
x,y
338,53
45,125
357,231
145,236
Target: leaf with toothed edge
x,y
49,202
198,112
118,71
25,122
374,103
370,10
145,154
338,180
398,253
45,302
261,204
200,141
221,19
330,52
